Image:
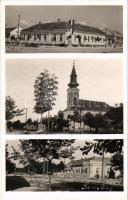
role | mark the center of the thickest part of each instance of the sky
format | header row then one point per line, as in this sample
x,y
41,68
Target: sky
x,y
99,79
78,154
110,16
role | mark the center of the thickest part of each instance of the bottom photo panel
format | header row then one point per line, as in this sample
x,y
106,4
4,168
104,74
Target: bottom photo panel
x,y
64,165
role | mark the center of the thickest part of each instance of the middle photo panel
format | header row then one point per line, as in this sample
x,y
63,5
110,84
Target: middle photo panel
x,y
56,96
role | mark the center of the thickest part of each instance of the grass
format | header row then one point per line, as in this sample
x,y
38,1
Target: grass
x,y
15,182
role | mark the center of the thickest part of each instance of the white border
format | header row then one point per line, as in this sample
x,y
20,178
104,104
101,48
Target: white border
x,y
62,195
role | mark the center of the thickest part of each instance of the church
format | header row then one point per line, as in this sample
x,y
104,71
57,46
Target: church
x,y
82,105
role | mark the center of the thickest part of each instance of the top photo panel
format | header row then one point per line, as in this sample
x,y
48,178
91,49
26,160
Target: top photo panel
x,y
64,29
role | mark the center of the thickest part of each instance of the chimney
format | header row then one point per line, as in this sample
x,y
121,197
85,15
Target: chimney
x,y
69,22
59,20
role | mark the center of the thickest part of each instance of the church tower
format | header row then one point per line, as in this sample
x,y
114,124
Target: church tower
x,y
73,91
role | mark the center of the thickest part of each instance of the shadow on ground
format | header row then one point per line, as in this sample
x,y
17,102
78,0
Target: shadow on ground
x,y
15,182
77,186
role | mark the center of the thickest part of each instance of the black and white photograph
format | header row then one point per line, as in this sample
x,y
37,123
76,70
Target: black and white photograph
x,y
64,165
64,29
61,96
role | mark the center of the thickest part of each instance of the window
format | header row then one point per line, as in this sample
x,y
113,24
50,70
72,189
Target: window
x,y
61,37
39,36
85,38
54,37
29,36
34,37
86,170
74,38
92,37
45,37
88,38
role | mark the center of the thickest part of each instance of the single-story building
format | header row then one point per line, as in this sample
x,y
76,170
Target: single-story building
x,y
12,33
89,167
63,33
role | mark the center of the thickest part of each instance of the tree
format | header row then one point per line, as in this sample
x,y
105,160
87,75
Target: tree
x,y
67,153
45,91
60,121
29,121
103,146
76,117
100,122
115,114
12,110
10,166
48,150
117,162
89,120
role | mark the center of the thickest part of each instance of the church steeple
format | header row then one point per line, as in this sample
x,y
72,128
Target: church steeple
x,y
73,78
73,91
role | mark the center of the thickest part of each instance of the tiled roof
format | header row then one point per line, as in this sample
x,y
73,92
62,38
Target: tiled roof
x,y
62,25
112,32
8,30
93,105
87,29
78,163
48,26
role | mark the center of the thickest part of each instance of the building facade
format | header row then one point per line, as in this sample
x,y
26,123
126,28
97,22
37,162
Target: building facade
x,y
12,33
89,167
63,33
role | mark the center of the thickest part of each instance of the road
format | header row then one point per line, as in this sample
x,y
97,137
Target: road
x,y
46,49
41,182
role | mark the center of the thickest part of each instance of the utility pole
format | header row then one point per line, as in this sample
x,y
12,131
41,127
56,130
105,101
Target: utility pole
x,y
48,119
18,27
102,171
26,115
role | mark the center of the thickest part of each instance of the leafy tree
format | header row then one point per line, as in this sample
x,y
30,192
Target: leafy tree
x,y
103,146
115,114
29,121
76,117
12,110
45,91
67,153
100,122
10,166
60,121
117,161
35,150
89,120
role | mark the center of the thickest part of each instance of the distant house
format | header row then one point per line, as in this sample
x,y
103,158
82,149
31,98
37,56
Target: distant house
x,y
89,167
12,33
113,37
64,33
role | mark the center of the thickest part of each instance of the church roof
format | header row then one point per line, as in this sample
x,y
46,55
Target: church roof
x,y
93,105
73,71
73,78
